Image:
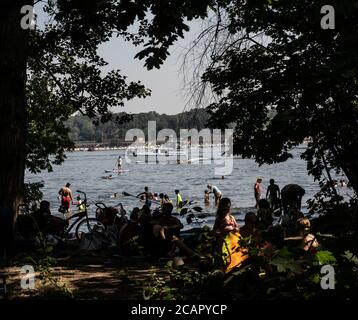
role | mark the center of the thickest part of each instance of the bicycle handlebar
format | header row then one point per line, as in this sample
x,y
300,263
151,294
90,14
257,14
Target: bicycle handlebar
x,y
85,199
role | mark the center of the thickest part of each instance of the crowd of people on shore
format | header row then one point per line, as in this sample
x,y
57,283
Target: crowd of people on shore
x,y
155,230
158,231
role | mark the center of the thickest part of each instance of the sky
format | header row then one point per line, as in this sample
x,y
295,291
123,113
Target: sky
x,y
166,83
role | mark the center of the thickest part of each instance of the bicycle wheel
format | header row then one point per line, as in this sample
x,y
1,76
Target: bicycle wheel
x,y
88,226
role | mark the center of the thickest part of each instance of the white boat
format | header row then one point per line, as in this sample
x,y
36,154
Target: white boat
x,y
157,152
116,170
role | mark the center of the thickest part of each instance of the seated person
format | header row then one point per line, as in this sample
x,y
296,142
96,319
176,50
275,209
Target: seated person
x,y
289,221
42,214
145,215
146,228
164,229
128,233
122,219
307,241
249,228
224,222
47,223
227,231
264,214
170,225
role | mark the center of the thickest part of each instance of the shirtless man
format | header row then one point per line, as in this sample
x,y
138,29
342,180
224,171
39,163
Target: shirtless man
x,y
66,197
273,194
148,196
258,191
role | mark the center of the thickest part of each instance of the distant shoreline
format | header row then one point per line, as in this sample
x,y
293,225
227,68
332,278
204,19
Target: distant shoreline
x,y
116,148
91,149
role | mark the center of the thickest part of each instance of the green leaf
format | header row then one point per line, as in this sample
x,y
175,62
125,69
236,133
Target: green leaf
x,y
316,278
285,265
325,257
351,257
285,253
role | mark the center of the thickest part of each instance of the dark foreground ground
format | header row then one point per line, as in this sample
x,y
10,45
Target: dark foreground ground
x,y
87,276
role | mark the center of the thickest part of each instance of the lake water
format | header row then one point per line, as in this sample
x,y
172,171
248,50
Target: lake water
x,y
85,169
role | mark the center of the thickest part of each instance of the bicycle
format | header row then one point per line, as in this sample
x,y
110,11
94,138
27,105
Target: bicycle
x,y
111,216
82,223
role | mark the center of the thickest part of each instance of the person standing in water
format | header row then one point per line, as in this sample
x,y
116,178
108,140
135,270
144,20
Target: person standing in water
x,y
119,163
66,197
217,193
80,204
206,197
161,198
273,194
167,199
258,191
179,199
148,196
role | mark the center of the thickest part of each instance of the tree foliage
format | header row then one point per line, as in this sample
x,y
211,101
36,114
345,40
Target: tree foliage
x,y
305,75
66,74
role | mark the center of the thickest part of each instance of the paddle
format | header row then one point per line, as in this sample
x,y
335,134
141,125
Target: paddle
x,y
126,194
201,216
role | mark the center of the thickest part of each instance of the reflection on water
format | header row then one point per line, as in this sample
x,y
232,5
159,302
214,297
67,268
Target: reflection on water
x,y
85,169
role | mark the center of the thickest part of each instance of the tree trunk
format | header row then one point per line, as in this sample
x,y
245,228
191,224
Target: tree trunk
x,y
13,59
